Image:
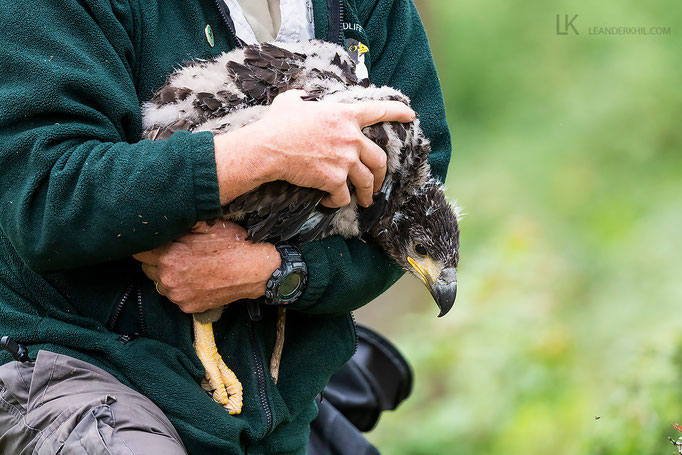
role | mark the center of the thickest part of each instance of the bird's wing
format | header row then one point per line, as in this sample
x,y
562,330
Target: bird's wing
x,y
234,89
277,211
266,71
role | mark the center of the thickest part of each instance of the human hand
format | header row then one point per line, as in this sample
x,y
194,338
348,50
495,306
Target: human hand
x,y
321,145
210,267
316,145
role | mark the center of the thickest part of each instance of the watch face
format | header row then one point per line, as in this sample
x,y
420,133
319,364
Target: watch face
x,y
290,285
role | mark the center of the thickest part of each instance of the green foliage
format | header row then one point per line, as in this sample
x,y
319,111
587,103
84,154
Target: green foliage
x,y
567,159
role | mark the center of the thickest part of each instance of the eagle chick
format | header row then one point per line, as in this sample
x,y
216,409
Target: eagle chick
x,y
410,218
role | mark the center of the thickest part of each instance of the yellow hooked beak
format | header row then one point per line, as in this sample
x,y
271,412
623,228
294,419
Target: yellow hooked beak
x,y
362,49
442,283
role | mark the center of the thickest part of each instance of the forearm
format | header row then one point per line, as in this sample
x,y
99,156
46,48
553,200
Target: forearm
x,y
241,163
76,203
77,186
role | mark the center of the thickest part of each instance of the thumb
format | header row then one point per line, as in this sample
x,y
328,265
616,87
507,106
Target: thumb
x,y
293,94
201,227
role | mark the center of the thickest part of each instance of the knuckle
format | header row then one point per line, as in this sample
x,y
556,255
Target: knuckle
x,y
167,277
148,270
382,159
333,179
187,308
166,259
182,298
358,139
381,111
368,183
350,159
338,180
365,182
173,295
163,261
354,144
288,95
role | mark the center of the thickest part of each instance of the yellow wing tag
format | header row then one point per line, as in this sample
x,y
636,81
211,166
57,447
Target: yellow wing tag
x,y
357,51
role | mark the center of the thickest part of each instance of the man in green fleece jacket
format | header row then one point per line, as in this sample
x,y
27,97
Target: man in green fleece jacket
x,y
81,194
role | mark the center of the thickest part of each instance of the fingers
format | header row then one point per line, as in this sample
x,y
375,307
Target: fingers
x,y
374,158
202,227
163,290
289,95
153,274
363,181
151,271
371,112
148,257
367,175
338,197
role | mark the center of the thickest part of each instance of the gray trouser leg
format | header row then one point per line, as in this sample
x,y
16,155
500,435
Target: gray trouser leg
x,y
59,404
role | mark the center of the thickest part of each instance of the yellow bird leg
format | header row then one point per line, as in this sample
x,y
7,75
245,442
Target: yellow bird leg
x,y
227,390
276,357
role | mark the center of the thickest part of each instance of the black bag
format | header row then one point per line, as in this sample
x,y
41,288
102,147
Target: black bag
x,y
377,378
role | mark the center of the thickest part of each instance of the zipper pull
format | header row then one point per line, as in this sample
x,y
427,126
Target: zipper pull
x,y
309,5
254,310
19,352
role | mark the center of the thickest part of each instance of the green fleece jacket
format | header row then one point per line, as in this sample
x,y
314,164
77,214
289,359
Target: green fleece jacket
x,y
80,193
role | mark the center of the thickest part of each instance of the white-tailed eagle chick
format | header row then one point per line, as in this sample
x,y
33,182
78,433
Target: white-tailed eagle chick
x,y
410,218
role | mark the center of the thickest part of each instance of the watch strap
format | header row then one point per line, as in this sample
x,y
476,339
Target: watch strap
x,y
292,262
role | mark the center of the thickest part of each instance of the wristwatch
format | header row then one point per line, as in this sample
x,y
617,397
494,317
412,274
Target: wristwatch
x,y
287,283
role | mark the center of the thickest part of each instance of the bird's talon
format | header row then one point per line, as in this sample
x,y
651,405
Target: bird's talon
x,y
226,388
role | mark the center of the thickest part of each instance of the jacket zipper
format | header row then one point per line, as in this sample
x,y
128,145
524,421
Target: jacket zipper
x,y
118,309
355,331
336,12
225,14
335,8
260,374
309,11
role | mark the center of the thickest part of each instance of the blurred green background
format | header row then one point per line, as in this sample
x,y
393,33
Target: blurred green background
x,y
568,160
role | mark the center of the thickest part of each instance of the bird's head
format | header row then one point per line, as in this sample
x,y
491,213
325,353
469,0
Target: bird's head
x,y
423,238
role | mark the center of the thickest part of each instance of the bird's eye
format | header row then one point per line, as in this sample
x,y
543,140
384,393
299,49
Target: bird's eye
x,y
420,249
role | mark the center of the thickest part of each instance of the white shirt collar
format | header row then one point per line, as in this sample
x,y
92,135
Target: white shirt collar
x,y
297,21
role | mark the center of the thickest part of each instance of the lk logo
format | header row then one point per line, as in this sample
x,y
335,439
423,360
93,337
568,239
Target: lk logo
x,y
566,24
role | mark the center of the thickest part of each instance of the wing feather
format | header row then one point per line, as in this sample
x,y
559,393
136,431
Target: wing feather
x,y
274,211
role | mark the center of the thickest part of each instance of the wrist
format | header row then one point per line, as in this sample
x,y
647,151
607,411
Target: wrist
x,y
270,260
242,162
261,143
